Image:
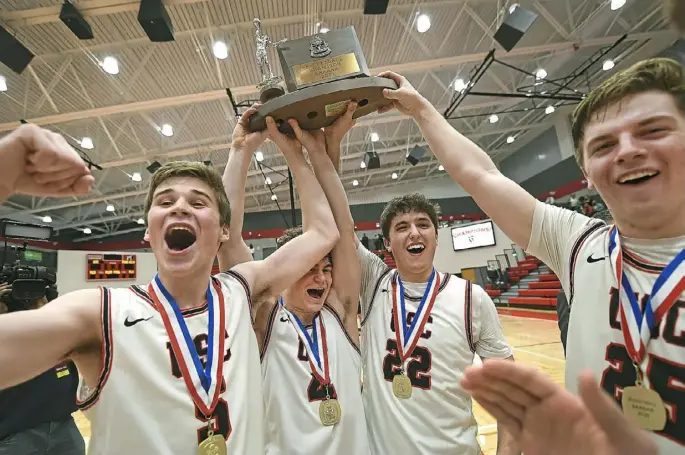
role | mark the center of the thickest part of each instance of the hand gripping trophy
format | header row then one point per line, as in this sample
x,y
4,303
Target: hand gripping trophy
x,y
269,87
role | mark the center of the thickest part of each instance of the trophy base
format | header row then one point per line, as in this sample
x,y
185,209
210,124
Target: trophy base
x,y
269,91
320,105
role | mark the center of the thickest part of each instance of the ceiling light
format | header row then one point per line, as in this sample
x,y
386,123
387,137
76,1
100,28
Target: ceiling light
x,y
617,4
374,137
363,165
274,197
423,23
609,64
140,221
220,50
47,219
324,30
355,182
394,176
87,230
542,156
136,177
110,65
513,7
167,130
259,156
459,85
441,168
510,139
87,143
3,84
494,118
267,181
550,109
540,74
110,208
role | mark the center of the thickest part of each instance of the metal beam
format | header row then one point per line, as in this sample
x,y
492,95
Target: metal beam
x,y
422,66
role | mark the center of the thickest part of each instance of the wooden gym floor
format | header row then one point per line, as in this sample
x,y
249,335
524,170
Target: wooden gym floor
x,y
534,341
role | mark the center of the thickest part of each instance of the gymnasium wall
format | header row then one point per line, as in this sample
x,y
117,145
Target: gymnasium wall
x,y
448,260
71,271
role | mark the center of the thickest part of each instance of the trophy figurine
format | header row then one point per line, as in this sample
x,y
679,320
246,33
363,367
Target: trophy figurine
x,y
323,73
269,87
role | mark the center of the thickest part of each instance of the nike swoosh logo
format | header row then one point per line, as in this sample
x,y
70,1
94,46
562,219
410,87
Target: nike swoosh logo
x,y
284,319
128,323
592,259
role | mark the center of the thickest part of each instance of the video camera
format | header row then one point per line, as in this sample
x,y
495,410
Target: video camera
x,y
28,282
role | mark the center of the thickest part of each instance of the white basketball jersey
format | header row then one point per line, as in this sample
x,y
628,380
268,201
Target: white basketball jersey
x,y
292,394
595,340
437,419
141,404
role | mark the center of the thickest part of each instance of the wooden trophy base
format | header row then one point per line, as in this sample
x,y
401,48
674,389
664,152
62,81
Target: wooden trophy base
x,y
320,105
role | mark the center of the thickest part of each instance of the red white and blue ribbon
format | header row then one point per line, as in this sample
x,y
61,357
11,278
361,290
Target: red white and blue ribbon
x,y
203,382
637,324
316,346
408,337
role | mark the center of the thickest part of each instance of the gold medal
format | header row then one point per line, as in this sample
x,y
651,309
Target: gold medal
x,y
215,444
644,407
401,386
330,412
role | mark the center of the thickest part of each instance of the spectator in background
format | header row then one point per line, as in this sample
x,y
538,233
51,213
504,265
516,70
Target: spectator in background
x,y
365,241
36,416
251,249
379,242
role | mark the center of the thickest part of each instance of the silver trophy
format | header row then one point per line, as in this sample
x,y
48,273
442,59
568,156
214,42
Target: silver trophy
x,y
269,87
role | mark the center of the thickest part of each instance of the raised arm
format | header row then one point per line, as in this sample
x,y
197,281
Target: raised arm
x,y
36,340
290,262
346,264
468,165
38,162
244,144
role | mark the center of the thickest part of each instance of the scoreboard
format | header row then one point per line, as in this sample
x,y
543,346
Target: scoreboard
x,y
111,267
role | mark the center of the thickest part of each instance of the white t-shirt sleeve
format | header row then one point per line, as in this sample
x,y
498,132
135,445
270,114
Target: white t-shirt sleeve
x,y
554,230
488,336
372,269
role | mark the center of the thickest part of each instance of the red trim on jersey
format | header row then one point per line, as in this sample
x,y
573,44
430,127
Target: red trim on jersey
x,y
269,328
107,352
342,326
468,315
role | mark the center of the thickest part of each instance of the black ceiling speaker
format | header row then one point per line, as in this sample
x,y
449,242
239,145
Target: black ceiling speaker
x,y
372,160
12,53
155,20
375,6
73,19
152,168
515,25
415,154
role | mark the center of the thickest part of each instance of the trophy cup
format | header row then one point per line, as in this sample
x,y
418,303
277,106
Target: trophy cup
x,y
322,73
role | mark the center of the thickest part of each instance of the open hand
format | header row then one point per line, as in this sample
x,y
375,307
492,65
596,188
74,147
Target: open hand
x,y
405,99
242,138
38,162
288,145
337,131
547,420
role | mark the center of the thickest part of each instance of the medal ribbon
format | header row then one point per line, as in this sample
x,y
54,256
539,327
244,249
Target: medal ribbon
x,y
316,346
408,337
637,325
204,384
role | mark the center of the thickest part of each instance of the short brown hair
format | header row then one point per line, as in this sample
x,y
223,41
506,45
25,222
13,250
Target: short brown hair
x,y
658,74
676,13
196,170
292,233
412,202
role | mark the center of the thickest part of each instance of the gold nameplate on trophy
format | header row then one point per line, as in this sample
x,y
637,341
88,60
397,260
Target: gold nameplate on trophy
x,y
330,412
644,407
213,445
401,386
328,68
